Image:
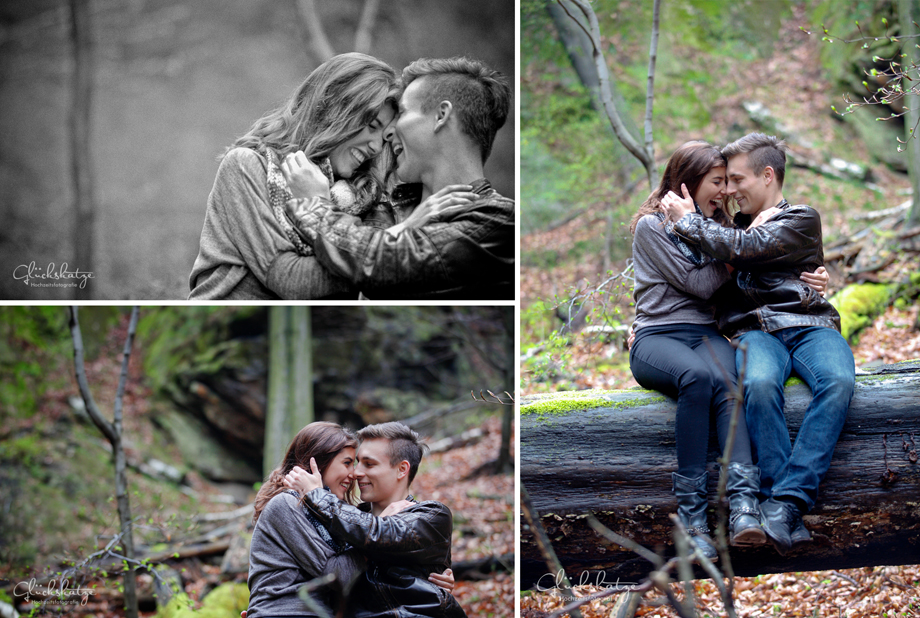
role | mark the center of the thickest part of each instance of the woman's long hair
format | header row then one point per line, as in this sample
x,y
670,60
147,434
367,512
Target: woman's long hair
x,y
320,440
333,104
688,165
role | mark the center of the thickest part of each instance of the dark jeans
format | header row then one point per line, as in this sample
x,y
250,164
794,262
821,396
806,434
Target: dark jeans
x,y
822,358
695,365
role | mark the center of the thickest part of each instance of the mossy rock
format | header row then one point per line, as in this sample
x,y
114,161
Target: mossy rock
x,y
225,601
859,304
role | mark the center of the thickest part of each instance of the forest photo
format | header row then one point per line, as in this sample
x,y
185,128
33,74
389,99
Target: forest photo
x,y
147,464
662,217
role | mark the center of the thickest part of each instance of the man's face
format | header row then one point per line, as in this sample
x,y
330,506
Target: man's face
x,y
413,133
748,189
377,479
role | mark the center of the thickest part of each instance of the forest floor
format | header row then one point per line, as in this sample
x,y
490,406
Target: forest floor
x,y
873,592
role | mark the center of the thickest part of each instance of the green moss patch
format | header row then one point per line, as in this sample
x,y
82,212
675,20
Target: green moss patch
x,y
859,304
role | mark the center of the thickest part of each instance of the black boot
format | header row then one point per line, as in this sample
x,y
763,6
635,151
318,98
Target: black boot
x,y
780,519
691,508
742,486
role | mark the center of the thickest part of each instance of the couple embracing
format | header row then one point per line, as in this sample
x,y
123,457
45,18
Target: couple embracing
x,y
706,280
390,554
365,184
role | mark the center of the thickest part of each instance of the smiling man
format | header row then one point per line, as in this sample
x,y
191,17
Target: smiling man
x,y
403,540
784,326
447,234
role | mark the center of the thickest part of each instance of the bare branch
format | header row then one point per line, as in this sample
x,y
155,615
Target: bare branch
x,y
80,369
650,89
123,378
366,26
322,48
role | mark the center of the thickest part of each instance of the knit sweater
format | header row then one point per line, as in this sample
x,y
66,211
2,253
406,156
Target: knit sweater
x,y
286,552
670,289
244,253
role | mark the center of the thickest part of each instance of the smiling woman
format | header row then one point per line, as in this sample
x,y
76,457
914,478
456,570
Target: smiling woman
x,y
335,120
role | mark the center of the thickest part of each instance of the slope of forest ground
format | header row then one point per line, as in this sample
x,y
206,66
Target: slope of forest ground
x,y
57,491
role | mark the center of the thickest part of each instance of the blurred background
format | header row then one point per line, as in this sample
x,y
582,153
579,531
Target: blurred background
x,y
167,85
724,69
204,425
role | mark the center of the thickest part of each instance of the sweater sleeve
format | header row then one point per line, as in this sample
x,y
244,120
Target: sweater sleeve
x,y
241,195
285,521
677,270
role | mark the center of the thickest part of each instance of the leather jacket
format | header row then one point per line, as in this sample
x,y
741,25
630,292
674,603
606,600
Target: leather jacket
x,y
767,293
468,254
402,550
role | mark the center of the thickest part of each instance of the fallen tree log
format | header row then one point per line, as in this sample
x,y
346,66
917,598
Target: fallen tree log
x,y
612,453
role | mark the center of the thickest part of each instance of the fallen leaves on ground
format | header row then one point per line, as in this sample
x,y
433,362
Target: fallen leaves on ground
x,y
869,592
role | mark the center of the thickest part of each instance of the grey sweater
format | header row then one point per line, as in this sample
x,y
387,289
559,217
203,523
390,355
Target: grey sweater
x,y
243,252
287,552
670,289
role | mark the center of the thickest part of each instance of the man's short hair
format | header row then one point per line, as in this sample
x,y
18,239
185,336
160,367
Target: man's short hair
x,y
404,443
762,151
480,95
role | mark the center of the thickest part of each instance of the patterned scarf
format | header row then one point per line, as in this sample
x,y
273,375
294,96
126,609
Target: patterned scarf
x,y
343,195
691,253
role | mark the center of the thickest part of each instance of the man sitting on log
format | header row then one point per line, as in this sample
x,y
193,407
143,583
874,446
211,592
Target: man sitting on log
x,y
779,324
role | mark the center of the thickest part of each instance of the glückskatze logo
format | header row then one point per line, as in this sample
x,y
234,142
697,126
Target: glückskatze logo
x,y
51,276
53,593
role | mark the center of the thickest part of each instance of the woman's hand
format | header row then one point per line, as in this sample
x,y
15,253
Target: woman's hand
x,y
395,507
444,580
631,337
764,216
302,481
303,176
674,206
450,199
817,280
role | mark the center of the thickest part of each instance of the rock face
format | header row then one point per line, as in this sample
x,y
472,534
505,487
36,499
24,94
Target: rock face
x,y
369,365
612,454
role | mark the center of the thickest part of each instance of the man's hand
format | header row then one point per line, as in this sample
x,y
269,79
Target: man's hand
x,y
450,199
395,507
302,481
674,206
817,280
764,216
303,177
444,580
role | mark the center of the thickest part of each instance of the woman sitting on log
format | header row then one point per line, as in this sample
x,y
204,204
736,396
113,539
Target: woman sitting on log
x,y
290,546
678,350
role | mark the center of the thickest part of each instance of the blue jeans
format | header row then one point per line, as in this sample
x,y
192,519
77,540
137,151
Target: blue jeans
x,y
822,358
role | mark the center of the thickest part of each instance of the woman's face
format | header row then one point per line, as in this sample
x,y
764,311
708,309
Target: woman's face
x,y
340,474
711,191
348,156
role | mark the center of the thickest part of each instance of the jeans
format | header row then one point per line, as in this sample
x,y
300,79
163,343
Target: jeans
x,y
695,365
822,358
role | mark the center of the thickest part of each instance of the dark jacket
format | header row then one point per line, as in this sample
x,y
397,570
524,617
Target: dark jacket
x,y
402,550
466,256
767,293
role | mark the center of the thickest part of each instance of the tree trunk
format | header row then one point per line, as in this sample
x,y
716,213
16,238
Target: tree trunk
x,y
113,433
613,454
908,12
80,151
290,381
505,462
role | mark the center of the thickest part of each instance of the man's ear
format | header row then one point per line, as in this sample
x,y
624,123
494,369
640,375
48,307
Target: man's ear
x,y
768,175
445,109
402,470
